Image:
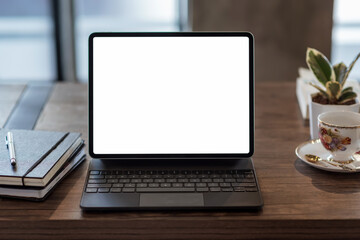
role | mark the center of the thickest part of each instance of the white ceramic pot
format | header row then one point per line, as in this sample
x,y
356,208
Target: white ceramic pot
x,y
315,109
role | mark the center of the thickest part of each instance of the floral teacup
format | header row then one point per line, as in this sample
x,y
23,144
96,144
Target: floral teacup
x,y
339,133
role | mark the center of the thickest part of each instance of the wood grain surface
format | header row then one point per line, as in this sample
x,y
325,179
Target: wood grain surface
x,y
300,202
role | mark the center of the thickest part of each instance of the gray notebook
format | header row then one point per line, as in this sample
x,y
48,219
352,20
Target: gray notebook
x,y
39,194
39,154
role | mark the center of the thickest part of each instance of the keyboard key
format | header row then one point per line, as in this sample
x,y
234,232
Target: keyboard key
x,y
201,185
215,189
226,176
249,175
239,189
253,189
248,180
96,176
135,180
151,172
115,190
208,172
94,172
124,180
183,180
98,185
196,172
214,176
225,184
247,184
230,180
129,185
238,175
141,185
194,180
148,180
185,172
227,189
171,180
163,172
174,172
128,190
189,185
159,180
177,185
165,185
155,190
154,185
91,190
205,189
218,180
206,180
103,190
112,181
145,176
133,176
180,176
213,184
97,181
118,185
105,172
110,176
128,172
139,172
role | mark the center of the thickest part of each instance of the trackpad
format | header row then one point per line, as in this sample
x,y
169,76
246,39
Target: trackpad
x,y
171,199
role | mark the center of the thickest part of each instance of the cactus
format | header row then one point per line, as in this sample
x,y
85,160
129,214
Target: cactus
x,y
332,78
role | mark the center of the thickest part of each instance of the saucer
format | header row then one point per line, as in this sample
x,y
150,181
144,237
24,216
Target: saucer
x,y
315,147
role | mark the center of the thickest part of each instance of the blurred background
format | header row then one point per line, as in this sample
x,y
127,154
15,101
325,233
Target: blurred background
x,y
46,40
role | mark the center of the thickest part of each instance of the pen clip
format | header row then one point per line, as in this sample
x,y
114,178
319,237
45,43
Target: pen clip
x,y
6,142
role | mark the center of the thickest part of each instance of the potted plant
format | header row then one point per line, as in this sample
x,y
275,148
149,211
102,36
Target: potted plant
x,y
332,95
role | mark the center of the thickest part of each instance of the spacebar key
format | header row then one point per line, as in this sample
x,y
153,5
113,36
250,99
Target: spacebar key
x,y
155,190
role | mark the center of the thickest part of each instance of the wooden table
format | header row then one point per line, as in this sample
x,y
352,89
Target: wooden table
x,y
300,202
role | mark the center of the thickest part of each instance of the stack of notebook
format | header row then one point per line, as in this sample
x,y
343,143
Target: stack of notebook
x,y
43,159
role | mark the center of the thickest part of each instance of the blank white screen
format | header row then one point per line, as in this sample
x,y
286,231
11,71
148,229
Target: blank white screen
x,y
170,95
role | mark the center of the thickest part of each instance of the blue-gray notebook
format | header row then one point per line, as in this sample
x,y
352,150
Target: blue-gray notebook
x,y
39,155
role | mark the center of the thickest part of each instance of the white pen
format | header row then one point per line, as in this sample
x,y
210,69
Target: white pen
x,y
9,139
